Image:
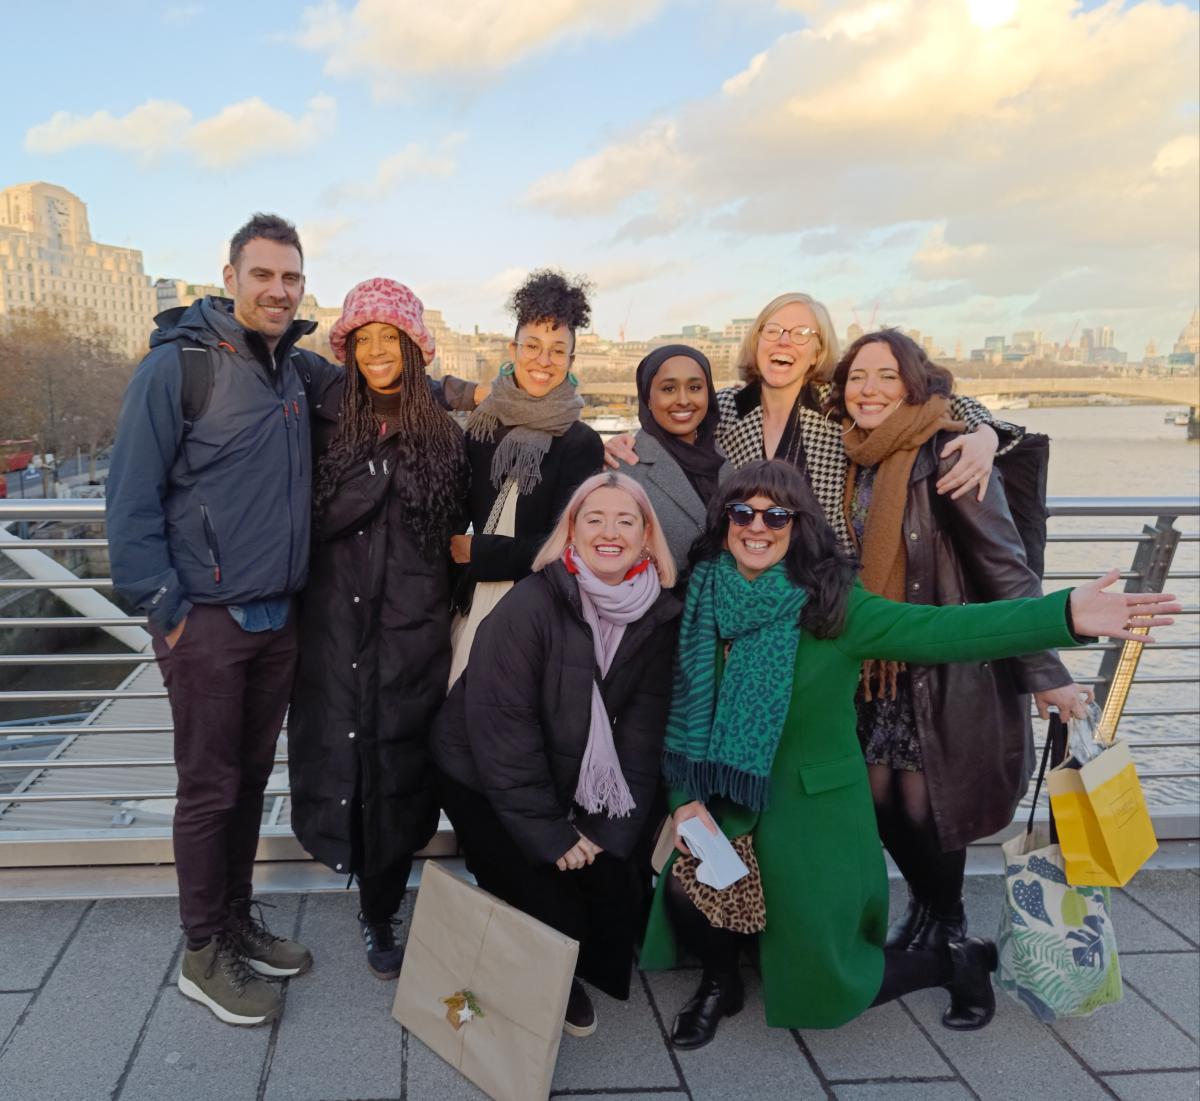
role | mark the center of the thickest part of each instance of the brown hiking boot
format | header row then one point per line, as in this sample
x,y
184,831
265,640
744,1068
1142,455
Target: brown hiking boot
x,y
218,977
268,954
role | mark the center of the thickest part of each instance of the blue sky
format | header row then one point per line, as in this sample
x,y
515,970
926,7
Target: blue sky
x,y
971,166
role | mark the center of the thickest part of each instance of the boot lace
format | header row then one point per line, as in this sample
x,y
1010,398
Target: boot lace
x,y
379,936
251,926
230,960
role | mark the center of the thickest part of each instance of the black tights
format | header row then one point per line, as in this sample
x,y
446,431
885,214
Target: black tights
x,y
908,833
719,949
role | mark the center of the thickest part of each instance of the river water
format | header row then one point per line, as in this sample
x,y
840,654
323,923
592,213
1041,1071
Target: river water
x,y
1128,451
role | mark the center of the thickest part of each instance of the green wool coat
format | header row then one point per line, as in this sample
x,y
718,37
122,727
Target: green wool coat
x,y
824,878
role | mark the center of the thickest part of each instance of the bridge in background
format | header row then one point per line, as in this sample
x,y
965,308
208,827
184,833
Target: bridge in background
x,y
1175,391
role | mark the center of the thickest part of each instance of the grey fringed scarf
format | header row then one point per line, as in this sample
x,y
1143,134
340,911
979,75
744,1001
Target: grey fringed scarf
x,y
532,422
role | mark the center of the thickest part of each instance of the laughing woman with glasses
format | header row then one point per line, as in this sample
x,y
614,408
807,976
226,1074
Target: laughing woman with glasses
x,y
761,744
786,361
527,448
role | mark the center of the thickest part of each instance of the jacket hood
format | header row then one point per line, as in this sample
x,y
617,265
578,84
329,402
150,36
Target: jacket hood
x,y
210,320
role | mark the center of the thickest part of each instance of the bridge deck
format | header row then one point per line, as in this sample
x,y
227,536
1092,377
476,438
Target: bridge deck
x,y
88,1010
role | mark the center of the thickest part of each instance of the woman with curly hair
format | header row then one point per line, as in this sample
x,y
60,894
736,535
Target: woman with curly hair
x,y
526,446
374,623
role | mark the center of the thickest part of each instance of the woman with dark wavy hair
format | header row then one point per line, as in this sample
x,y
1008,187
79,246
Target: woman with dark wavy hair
x,y
761,745
375,617
934,790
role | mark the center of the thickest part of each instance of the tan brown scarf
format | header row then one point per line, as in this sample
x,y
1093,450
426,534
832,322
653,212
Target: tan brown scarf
x,y
892,447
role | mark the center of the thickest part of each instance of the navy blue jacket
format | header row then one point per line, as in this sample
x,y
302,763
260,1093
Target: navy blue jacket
x,y
219,515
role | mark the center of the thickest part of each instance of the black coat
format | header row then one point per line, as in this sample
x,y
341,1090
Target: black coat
x,y
972,717
574,456
515,726
374,658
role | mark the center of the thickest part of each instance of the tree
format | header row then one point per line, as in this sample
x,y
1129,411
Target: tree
x,y
60,381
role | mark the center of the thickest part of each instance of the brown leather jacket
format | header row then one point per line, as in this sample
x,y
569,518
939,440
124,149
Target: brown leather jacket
x,y
973,717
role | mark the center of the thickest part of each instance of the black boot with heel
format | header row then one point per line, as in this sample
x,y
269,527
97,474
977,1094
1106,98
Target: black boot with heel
x,y
720,994
972,999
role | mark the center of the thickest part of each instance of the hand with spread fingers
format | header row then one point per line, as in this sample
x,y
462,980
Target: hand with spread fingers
x,y
620,450
1119,615
976,454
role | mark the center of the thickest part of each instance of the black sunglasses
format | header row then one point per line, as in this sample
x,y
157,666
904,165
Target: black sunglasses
x,y
776,517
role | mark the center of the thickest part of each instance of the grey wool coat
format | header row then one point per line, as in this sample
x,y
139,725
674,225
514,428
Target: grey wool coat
x,y
676,504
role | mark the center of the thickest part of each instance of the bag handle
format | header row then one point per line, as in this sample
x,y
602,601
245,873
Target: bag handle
x,y
1056,743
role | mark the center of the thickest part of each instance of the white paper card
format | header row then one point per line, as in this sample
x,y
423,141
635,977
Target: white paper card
x,y
719,864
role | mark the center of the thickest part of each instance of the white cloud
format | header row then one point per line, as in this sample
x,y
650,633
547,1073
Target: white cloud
x,y
238,133
318,237
249,129
396,41
414,160
180,15
149,129
1029,139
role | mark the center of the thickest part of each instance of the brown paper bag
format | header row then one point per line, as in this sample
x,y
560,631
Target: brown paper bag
x,y
500,975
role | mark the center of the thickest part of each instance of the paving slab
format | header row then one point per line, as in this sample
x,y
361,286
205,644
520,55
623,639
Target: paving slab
x,y
1015,1056
882,1043
33,934
1130,1035
656,1096
428,1075
1164,1086
1139,931
1170,983
11,1008
186,1052
336,1039
746,1059
902,1091
1173,899
81,1028
627,1050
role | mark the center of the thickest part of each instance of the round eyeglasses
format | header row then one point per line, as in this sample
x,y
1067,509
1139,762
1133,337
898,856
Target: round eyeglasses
x,y
776,517
532,348
800,335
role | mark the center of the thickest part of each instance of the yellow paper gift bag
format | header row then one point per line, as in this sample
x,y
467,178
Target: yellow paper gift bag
x,y
1104,828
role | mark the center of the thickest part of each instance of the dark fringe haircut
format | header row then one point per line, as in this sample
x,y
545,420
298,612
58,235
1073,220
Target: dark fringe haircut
x,y
921,376
431,466
270,227
814,559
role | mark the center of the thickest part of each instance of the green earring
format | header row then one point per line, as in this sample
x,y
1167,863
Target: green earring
x,y
507,369
572,379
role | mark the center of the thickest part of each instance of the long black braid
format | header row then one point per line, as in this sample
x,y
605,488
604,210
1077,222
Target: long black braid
x,y
430,477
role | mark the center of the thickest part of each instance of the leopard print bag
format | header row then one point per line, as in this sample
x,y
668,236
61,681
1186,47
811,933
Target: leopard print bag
x,y
740,907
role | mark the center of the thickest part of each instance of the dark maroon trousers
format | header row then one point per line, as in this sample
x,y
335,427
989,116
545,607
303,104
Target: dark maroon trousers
x,y
229,692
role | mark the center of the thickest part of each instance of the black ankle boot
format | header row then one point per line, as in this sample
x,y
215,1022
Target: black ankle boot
x,y
900,934
720,994
939,928
972,999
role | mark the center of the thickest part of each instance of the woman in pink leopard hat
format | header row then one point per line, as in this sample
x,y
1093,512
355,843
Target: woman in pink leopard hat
x,y
389,490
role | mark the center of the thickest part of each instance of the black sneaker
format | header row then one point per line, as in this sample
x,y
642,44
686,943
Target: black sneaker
x,y
580,1019
384,955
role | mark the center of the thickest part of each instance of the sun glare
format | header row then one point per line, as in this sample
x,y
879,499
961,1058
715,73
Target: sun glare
x,y
990,14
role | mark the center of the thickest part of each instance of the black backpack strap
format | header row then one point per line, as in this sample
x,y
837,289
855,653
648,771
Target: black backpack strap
x,y
196,364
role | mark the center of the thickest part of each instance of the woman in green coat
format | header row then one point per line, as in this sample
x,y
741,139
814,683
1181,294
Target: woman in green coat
x,y
762,743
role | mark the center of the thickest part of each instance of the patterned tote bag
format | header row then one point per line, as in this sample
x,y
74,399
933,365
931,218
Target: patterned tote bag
x,y
1058,951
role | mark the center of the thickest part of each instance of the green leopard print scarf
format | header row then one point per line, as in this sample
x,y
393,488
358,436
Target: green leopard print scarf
x,y
721,739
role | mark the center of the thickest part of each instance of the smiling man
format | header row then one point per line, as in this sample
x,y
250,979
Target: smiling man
x,y
208,526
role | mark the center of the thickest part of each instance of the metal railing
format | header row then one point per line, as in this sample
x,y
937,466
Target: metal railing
x,y
115,816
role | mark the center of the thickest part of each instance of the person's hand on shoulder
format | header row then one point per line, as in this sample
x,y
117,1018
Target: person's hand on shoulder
x,y
618,450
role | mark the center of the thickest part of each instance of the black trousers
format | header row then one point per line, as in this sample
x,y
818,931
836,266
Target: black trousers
x,y
599,905
228,690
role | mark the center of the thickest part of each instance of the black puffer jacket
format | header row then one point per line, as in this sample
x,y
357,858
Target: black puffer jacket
x,y
515,727
374,658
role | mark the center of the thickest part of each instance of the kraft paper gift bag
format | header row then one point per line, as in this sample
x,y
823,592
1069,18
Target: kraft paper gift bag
x,y
1104,828
485,986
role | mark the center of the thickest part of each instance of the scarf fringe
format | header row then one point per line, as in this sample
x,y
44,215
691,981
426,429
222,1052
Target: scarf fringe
x,y
604,790
704,779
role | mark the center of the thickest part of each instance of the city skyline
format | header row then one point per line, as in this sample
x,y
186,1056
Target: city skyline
x,y
973,166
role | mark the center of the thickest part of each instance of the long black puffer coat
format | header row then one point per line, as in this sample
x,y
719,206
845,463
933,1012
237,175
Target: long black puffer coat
x,y
515,726
374,658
